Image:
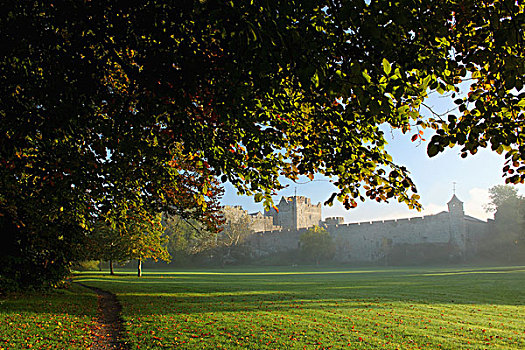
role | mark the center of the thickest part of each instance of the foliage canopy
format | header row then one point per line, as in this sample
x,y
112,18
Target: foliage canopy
x,y
147,103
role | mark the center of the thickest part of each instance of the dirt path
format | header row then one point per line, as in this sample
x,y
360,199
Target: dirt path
x,y
108,332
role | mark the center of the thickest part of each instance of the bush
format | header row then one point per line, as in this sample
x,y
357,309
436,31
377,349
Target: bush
x,y
88,265
317,245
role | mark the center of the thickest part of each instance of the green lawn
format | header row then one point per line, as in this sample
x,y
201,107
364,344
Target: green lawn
x,y
470,308
281,308
55,320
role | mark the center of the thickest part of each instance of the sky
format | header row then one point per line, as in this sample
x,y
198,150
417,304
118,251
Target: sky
x,y
434,179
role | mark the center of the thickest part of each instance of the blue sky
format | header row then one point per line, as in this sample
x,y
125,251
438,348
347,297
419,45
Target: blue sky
x,y
434,178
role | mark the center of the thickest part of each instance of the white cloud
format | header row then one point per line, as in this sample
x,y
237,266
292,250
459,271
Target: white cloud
x,y
473,205
478,197
433,208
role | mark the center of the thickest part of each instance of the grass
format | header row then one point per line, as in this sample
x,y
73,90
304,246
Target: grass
x,y
56,320
296,308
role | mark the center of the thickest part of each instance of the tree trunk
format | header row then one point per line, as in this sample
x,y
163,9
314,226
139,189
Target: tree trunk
x,y
139,267
111,272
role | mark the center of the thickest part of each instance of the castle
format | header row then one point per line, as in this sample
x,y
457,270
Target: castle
x,y
447,236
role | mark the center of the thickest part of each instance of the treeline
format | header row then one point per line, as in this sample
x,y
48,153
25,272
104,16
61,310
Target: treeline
x,y
505,241
188,244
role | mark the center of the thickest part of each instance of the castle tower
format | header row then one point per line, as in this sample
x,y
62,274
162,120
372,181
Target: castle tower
x,y
458,232
295,213
455,206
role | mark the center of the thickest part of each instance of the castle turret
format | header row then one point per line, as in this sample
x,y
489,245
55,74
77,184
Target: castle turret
x,y
295,213
455,206
458,234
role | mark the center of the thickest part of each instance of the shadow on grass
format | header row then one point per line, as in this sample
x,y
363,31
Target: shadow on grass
x,y
198,292
73,301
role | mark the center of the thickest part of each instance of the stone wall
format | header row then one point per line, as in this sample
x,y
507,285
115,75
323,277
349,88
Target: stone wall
x,y
375,241
260,223
272,242
256,222
308,215
449,236
295,213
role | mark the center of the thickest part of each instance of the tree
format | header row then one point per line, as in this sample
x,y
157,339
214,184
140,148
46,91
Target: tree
x,y
105,104
234,232
187,238
317,245
506,241
40,260
501,195
143,237
509,227
137,235
107,244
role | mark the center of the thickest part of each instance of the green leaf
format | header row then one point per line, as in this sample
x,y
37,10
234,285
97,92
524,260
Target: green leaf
x,y
387,68
315,79
432,150
366,76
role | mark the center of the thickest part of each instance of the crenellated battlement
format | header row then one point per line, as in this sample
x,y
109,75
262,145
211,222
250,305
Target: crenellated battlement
x,y
295,212
368,241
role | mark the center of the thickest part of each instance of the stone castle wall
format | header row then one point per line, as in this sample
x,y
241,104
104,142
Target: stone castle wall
x,y
374,241
272,242
260,223
308,215
294,213
257,222
448,235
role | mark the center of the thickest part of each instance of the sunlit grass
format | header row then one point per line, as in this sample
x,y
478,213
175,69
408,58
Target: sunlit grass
x,y
452,308
289,307
56,320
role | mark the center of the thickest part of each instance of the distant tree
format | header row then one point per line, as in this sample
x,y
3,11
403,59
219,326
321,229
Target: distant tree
x,y
317,245
510,229
502,195
145,239
136,234
187,237
235,230
107,244
506,242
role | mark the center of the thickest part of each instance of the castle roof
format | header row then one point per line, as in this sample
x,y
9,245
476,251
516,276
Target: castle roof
x,y
473,219
285,200
454,199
